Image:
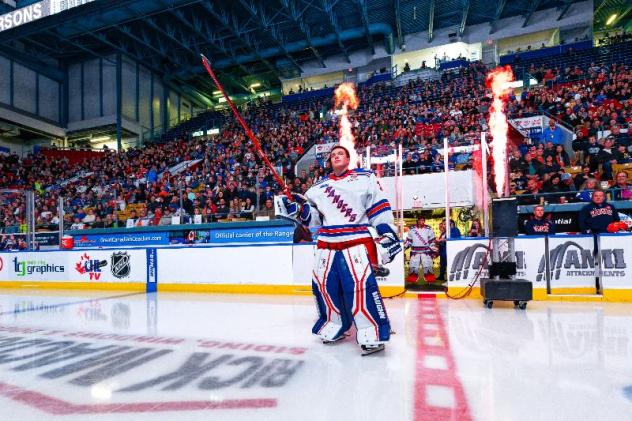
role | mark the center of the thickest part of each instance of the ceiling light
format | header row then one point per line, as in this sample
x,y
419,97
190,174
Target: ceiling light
x,y
255,85
611,19
100,139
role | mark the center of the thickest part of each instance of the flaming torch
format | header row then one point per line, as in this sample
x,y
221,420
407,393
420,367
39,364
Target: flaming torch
x,y
346,99
498,81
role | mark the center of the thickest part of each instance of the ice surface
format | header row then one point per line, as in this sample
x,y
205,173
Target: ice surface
x,y
121,356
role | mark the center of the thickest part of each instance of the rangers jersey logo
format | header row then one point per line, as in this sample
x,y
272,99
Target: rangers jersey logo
x,y
340,204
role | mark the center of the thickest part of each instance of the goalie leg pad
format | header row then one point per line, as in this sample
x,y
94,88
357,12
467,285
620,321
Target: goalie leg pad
x,y
363,297
427,263
333,319
414,263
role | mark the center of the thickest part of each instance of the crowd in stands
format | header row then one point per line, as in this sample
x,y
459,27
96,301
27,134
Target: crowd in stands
x,y
615,38
226,180
597,107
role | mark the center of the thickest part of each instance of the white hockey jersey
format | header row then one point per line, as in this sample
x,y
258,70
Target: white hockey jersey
x,y
347,205
421,240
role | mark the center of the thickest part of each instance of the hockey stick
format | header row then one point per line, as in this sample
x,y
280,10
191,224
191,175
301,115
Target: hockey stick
x,y
249,133
207,65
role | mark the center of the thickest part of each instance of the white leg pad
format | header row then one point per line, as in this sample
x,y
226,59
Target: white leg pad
x,y
414,263
366,336
329,331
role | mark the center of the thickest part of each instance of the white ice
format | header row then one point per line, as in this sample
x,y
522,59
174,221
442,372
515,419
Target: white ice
x,y
447,360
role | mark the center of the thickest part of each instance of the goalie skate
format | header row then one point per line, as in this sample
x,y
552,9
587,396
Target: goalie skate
x,y
333,341
371,349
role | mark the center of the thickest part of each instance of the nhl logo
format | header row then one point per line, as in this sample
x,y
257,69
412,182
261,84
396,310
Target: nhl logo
x,y
120,266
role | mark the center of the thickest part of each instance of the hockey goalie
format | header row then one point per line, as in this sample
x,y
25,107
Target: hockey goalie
x,y
345,205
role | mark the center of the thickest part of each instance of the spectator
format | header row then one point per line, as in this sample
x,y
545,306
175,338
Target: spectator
x,y
167,217
567,185
531,195
409,166
268,209
586,192
89,218
553,133
222,209
144,220
516,162
77,225
582,177
538,224
441,242
596,216
606,158
131,221
621,189
561,156
591,153
248,209
476,229
555,187
550,167
109,222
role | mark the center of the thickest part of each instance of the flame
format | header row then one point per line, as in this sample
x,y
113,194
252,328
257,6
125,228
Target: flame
x,y
347,99
498,80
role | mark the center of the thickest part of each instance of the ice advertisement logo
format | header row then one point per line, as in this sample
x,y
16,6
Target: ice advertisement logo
x,y
121,266
468,262
29,267
87,373
89,266
569,259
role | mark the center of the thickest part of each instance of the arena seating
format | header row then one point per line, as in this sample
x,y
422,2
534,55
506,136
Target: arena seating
x,y
586,90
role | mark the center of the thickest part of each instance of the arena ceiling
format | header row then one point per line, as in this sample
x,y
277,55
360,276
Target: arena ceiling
x,y
249,41
609,13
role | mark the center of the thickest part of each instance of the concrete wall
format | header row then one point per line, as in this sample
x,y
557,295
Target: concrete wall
x,y
549,37
24,90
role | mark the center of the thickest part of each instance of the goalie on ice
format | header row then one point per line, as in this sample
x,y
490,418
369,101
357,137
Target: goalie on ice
x,y
343,281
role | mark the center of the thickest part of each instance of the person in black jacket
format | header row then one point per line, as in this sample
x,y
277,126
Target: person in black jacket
x,y
538,224
597,215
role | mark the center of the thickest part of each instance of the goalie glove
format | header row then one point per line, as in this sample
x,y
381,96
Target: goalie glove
x,y
297,208
388,245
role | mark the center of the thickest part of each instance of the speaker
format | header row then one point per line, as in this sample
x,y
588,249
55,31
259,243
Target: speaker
x,y
504,217
506,289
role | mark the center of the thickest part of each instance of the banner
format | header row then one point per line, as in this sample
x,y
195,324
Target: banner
x,y
616,252
427,191
98,266
36,11
121,240
47,238
152,270
322,151
252,235
529,122
563,221
465,258
571,261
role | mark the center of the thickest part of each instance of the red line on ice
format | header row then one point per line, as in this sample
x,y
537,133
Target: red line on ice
x,y
59,407
425,376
